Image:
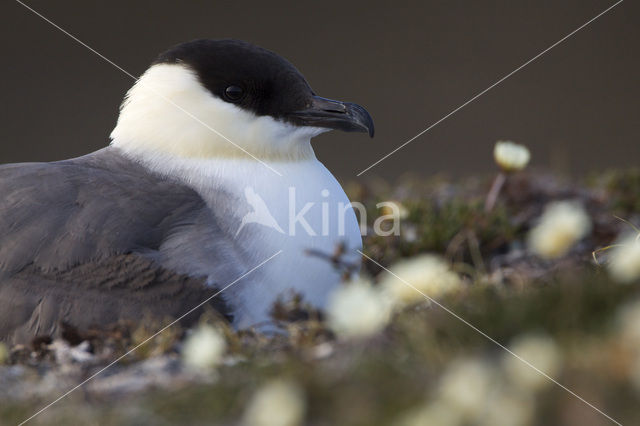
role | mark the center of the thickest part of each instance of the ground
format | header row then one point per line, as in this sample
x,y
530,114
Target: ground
x,y
434,363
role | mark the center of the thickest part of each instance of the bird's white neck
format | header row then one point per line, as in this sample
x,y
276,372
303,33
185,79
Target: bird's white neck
x,y
169,112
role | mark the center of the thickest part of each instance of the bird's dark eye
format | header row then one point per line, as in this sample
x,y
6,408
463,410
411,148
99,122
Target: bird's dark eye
x,y
233,93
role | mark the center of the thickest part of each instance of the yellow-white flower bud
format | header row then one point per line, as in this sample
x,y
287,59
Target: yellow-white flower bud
x,y
510,156
625,260
562,224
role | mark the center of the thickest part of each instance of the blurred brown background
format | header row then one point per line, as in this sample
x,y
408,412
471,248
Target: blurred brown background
x,y
409,64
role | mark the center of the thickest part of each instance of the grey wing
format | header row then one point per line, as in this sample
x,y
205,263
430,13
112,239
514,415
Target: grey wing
x,y
92,240
97,294
55,215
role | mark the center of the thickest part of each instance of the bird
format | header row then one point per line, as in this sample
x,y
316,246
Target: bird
x,y
152,224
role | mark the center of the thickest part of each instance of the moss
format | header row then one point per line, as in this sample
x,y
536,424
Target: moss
x,y
376,381
456,228
371,382
622,188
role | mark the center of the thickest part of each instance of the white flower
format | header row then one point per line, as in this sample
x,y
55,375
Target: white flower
x,y
562,224
357,309
278,403
511,156
465,385
204,348
427,274
625,260
541,352
66,353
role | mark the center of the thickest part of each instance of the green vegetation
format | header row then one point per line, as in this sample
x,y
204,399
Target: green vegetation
x,y
401,375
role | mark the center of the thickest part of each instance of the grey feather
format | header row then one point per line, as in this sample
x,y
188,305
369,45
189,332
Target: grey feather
x,y
96,294
71,229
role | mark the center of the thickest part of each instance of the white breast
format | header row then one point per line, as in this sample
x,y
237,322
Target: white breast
x,y
304,209
324,220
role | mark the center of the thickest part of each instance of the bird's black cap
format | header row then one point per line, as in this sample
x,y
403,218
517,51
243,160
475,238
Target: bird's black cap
x,y
264,83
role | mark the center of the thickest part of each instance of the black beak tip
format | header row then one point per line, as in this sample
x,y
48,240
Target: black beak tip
x,y
362,117
370,129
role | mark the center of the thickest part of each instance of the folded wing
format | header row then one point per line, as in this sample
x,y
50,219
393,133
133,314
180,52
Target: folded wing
x,y
98,239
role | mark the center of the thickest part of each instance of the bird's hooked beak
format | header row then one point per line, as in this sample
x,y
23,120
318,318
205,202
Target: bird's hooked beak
x,y
346,116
